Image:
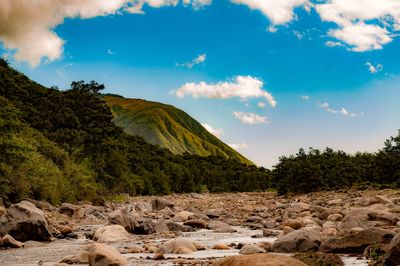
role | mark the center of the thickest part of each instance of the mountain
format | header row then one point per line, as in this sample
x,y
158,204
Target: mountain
x,y
167,126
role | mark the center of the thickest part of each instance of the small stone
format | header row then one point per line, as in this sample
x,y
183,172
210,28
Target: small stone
x,y
65,229
135,249
158,256
221,247
286,230
200,246
250,249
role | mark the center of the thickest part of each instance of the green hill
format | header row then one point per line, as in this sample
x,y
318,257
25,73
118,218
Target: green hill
x,y
168,127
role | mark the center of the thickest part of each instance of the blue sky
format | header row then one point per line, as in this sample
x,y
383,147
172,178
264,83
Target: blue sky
x,y
334,76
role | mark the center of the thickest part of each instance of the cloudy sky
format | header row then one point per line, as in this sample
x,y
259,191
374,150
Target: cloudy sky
x,y
266,76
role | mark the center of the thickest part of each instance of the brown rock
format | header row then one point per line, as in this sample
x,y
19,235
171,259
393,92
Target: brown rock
x,y
104,255
135,249
71,210
304,239
392,256
159,203
65,229
111,233
267,246
196,223
318,259
158,256
357,242
9,242
23,221
259,260
175,245
81,258
286,230
293,223
250,249
221,247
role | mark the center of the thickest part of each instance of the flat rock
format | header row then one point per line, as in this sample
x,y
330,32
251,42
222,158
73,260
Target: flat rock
x,y
104,255
258,260
176,245
111,233
251,249
304,239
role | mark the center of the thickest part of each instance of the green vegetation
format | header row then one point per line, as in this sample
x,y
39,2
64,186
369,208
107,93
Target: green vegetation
x,y
168,127
63,146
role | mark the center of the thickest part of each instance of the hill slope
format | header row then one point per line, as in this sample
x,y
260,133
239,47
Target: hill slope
x,y
168,127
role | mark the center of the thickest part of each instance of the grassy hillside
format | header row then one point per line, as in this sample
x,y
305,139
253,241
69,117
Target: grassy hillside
x,y
168,127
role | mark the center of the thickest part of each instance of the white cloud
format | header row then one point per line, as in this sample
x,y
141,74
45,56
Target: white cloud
x,y
215,131
334,44
243,87
305,97
298,35
343,111
239,146
261,104
362,24
278,11
197,4
373,69
272,29
27,26
195,61
250,118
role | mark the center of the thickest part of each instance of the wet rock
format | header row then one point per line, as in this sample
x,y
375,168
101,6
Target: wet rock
x,y
149,226
304,239
318,259
81,258
250,249
196,223
293,223
9,242
71,210
177,245
104,255
357,242
176,227
65,229
221,247
266,246
159,203
24,221
111,233
392,256
258,259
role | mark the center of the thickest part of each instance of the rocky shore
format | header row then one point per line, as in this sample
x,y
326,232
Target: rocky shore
x,y
336,228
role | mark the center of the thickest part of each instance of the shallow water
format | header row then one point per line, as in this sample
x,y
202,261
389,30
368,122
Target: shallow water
x,y
51,253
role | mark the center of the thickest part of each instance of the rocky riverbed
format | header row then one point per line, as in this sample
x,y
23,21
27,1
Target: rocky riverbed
x,y
341,228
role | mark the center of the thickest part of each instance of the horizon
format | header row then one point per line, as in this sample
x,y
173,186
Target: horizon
x,y
296,74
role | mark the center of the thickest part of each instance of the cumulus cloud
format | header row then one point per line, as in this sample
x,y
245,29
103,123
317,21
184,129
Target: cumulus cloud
x,y
243,87
215,131
27,27
334,44
195,61
239,146
362,24
250,118
278,11
197,4
373,69
342,111
261,104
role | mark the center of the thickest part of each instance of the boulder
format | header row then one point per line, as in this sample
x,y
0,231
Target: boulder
x,y
111,233
149,226
356,242
176,246
250,249
212,214
336,217
143,206
9,242
327,233
177,227
182,216
196,223
121,217
293,223
304,239
392,256
81,258
104,255
216,224
23,221
159,203
221,247
158,256
258,260
319,259
71,210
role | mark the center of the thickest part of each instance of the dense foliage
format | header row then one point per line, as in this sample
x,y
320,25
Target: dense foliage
x,y
63,146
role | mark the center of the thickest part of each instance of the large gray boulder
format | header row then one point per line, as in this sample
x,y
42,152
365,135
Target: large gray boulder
x,y
357,242
149,226
304,239
123,218
23,221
